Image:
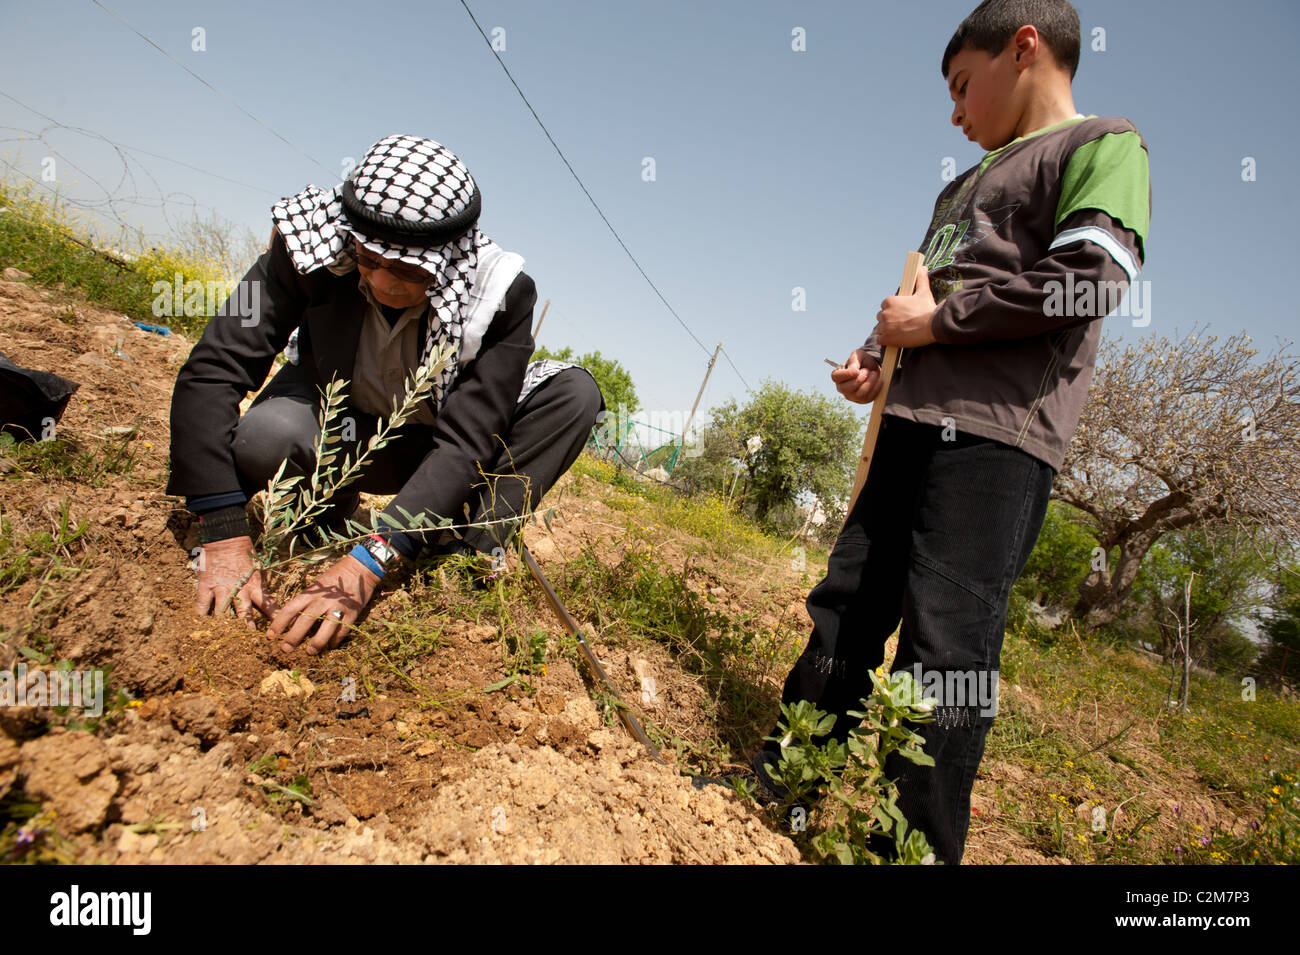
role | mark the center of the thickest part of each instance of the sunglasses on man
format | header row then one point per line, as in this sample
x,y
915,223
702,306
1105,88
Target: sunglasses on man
x,y
403,271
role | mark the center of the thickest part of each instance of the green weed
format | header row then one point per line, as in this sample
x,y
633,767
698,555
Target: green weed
x,y
862,823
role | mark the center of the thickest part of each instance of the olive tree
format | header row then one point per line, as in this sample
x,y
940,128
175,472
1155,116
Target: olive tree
x,y
1193,433
780,447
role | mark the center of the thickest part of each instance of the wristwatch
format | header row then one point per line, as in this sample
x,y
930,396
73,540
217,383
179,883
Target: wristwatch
x,y
378,549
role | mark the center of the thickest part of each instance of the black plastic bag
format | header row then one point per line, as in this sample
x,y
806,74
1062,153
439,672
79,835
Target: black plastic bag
x,y
30,400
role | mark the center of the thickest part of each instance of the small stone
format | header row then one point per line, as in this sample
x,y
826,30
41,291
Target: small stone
x,y
550,702
135,843
284,681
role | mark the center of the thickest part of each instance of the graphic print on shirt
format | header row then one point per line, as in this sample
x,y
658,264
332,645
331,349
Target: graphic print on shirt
x,y
958,238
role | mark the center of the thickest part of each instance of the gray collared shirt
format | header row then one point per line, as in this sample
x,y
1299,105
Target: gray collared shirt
x,y
386,357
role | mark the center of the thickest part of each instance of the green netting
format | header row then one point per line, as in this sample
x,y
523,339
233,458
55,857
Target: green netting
x,y
620,438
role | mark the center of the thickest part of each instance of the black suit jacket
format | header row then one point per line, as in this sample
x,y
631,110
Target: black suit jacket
x,y
234,356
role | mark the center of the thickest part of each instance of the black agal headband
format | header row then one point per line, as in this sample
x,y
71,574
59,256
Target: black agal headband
x,y
407,232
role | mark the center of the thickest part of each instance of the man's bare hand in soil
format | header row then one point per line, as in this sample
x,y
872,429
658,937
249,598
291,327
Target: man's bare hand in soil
x,y
222,564
334,601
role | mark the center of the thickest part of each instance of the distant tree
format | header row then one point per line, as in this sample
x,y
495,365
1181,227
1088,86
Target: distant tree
x,y
1060,558
1177,435
806,444
614,380
1280,625
1228,570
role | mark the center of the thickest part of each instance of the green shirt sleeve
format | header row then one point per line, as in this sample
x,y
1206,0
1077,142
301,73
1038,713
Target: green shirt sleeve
x,y
1109,173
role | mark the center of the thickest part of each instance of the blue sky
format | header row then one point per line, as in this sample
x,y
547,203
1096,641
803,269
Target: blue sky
x,y
774,168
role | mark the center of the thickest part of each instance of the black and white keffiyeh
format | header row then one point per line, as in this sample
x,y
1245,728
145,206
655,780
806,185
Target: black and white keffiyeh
x,y
542,370
412,201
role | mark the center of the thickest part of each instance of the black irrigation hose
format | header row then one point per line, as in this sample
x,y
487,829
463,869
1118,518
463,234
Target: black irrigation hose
x,y
571,625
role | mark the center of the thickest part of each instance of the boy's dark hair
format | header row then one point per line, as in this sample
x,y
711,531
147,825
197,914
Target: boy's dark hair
x,y
993,23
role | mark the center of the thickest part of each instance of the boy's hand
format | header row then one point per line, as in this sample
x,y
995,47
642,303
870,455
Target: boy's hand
x,y
904,320
859,378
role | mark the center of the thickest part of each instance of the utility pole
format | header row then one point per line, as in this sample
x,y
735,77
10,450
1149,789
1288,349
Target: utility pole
x,y
700,394
540,320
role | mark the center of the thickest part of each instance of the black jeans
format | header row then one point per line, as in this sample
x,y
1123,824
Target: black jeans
x,y
547,433
936,539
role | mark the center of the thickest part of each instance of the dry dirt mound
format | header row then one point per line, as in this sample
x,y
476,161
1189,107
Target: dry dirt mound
x,y
172,801
522,805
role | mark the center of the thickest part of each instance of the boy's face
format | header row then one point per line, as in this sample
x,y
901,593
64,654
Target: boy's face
x,y
983,93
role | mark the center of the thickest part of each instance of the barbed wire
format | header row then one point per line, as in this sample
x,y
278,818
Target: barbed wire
x,y
113,203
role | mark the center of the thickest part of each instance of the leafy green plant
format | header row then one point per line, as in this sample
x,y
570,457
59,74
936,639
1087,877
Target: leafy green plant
x,y
292,504
285,515
268,763
280,795
863,815
806,449
526,655
114,704
614,381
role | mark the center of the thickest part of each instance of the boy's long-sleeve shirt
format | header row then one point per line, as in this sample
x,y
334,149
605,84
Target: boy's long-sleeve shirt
x,y
1026,253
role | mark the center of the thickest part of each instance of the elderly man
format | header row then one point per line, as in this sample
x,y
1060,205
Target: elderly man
x,y
364,282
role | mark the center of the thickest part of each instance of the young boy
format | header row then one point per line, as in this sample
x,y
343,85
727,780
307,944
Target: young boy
x,y
998,342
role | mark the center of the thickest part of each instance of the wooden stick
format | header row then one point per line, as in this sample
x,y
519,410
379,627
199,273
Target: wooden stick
x,y
571,625
890,362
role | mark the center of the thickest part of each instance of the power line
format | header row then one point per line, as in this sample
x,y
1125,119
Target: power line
x,y
313,159
593,202
225,96
735,369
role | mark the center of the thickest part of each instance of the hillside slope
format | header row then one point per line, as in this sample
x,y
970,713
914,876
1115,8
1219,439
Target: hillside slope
x,y
473,736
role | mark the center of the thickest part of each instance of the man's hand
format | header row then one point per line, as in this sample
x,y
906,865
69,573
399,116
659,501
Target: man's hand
x,y
221,565
335,600
904,320
858,379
